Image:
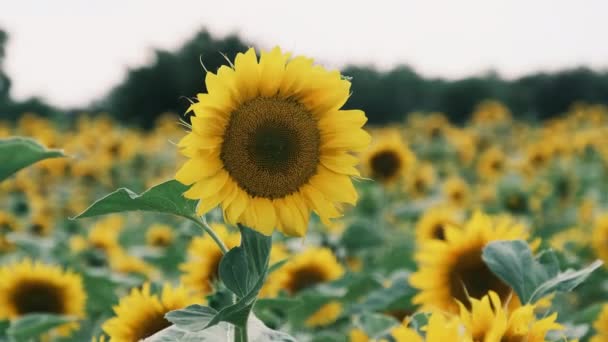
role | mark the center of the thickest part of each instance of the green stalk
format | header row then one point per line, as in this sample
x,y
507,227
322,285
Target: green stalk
x,y
202,222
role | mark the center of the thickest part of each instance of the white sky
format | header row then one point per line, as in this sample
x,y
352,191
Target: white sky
x,y
71,52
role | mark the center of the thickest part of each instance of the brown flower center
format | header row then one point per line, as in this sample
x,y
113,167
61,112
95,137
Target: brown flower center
x,y
271,146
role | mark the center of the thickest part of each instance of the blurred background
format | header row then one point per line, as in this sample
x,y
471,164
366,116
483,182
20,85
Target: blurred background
x,y
139,59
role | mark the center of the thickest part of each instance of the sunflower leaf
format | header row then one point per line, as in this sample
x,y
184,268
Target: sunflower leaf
x,y
376,325
531,278
17,153
33,325
163,198
192,318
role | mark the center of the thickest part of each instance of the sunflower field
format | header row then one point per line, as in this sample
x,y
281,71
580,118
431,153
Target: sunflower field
x,y
269,213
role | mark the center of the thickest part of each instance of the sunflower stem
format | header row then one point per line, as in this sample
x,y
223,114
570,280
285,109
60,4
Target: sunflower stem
x,y
202,222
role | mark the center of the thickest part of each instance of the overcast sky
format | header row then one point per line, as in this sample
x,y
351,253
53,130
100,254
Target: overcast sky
x,y
71,52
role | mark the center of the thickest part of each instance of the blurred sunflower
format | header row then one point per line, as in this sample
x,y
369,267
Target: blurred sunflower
x,y
432,224
452,270
599,239
325,315
440,328
601,326
491,164
421,181
141,314
314,266
490,320
270,145
32,287
159,235
200,270
8,224
456,191
388,159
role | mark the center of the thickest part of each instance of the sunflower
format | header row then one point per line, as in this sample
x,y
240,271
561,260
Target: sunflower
x,y
314,266
270,145
491,164
431,225
32,287
456,191
599,239
200,271
141,314
421,181
488,320
491,112
104,234
159,235
326,315
440,328
601,326
450,269
388,159
8,224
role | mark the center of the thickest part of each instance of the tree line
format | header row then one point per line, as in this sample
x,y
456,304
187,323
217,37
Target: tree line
x,y
386,96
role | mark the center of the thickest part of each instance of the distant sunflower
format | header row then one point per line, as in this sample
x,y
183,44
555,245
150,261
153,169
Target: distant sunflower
x,y
599,239
32,287
388,159
8,224
325,315
491,164
440,328
456,191
489,320
141,314
432,224
310,268
601,326
200,271
450,269
159,235
421,181
270,144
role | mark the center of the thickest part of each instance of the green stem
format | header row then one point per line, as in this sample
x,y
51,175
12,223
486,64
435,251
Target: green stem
x,y
240,334
202,222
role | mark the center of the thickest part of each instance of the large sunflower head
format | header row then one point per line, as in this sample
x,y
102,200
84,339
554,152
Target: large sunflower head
x,y
32,287
312,267
388,159
451,270
270,144
200,271
141,314
489,320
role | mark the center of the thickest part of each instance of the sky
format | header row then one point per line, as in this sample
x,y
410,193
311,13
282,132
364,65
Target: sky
x,y
71,52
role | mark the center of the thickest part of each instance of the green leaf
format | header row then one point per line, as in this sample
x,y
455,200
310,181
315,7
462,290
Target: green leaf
x,y
192,318
362,234
33,325
17,153
243,270
531,278
163,198
376,325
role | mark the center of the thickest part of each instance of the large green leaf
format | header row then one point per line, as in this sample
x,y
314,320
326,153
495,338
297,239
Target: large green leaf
x,y
531,278
243,270
33,325
163,198
17,153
